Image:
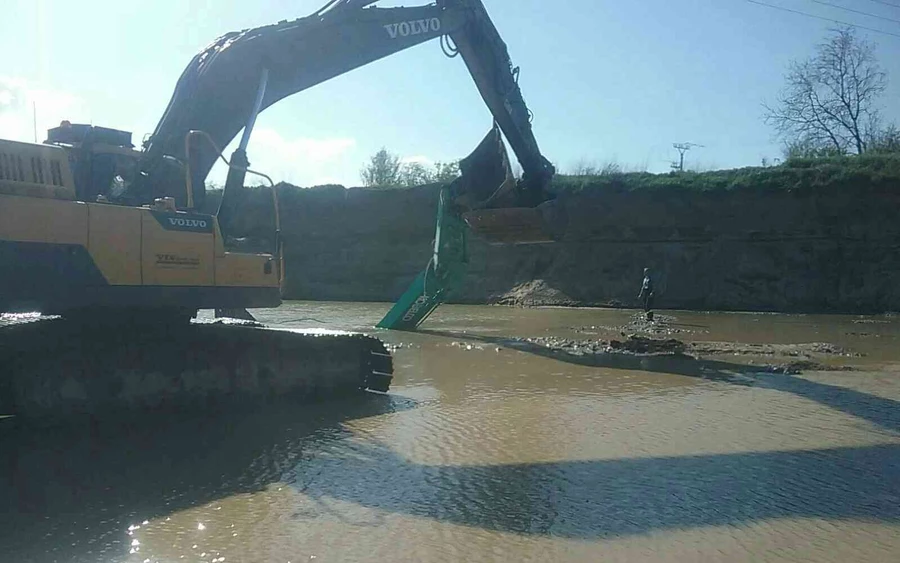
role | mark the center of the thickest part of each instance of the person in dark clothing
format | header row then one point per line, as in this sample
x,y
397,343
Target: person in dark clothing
x,y
646,294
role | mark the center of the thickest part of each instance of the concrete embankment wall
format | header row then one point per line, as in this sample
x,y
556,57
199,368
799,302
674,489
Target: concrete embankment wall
x,y
808,248
55,368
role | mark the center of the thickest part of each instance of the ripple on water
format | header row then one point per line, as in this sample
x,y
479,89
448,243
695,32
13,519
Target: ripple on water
x,y
492,455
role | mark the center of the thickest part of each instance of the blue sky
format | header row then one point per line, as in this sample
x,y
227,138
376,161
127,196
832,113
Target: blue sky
x,y
607,80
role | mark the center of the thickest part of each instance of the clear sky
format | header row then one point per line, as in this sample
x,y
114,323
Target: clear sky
x,y
607,80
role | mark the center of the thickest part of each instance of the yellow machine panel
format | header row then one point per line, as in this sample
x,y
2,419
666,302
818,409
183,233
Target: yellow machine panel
x,y
114,241
54,221
33,170
246,270
177,249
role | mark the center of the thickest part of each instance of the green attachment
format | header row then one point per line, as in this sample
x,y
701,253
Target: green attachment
x,y
441,277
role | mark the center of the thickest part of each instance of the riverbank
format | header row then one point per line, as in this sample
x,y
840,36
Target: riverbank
x,y
808,236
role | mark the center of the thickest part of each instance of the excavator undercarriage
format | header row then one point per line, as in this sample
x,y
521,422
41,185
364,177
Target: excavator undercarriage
x,y
111,238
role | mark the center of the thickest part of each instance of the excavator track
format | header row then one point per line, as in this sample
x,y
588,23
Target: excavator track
x,y
54,368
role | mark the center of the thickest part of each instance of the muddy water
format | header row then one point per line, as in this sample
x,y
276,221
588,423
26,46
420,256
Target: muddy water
x,y
483,452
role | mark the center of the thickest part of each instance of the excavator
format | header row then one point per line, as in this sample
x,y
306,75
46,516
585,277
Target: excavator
x,y
93,228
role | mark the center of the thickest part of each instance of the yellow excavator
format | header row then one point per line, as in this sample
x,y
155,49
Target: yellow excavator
x,y
92,227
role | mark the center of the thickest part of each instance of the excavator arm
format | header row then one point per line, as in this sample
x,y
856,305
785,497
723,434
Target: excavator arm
x,y
240,74
487,58
220,92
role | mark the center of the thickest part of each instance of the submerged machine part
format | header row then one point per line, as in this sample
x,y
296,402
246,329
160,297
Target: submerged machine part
x,y
486,178
473,202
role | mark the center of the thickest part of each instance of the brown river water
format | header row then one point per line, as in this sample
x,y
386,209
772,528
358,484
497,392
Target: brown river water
x,y
489,451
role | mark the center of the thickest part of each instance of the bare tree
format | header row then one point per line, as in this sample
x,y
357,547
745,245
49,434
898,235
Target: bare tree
x,y
382,171
829,100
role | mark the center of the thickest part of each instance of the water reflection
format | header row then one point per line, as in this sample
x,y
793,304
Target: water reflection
x,y
501,455
877,410
603,498
88,484
80,487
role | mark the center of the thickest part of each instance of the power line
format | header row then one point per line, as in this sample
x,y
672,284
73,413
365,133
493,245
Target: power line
x,y
869,14
885,3
807,14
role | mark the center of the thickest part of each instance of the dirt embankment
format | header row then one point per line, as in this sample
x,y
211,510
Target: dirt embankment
x,y
793,249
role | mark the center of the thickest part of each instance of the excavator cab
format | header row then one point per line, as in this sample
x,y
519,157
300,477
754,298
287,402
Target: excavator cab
x,y
102,160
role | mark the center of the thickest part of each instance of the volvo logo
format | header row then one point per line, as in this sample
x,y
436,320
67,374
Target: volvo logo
x,y
414,308
414,27
179,222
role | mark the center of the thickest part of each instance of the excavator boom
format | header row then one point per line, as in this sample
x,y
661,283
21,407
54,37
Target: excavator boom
x,y
216,93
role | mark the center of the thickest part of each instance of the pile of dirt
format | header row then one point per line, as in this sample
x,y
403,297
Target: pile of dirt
x,y
534,293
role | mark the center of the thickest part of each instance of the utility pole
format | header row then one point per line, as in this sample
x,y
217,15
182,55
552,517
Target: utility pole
x,y
682,148
34,118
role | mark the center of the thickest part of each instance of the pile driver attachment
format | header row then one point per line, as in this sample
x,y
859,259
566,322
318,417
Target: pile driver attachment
x,y
482,200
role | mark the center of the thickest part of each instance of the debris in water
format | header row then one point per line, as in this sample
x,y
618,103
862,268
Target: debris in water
x,y
643,345
797,367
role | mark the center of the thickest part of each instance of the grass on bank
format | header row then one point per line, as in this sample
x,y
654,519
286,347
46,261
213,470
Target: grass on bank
x,y
842,172
865,172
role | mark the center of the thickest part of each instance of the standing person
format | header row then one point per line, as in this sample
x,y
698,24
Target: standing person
x,y
646,294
